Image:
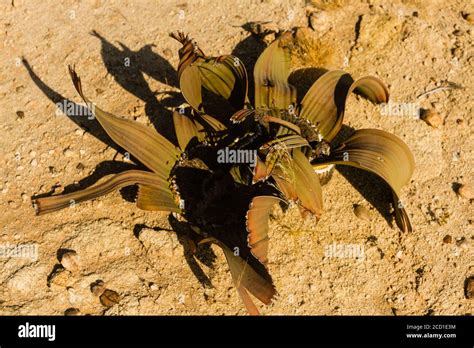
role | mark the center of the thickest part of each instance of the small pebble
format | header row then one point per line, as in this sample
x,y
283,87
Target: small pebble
x,y
109,298
168,53
469,288
59,277
68,152
20,115
98,287
72,311
466,192
71,261
457,52
361,212
80,166
447,239
432,118
319,21
34,162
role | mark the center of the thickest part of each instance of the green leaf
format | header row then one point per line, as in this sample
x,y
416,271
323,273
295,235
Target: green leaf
x,y
257,225
286,125
190,84
241,115
286,142
185,129
224,76
275,156
285,183
383,154
324,103
244,276
260,172
163,201
157,198
307,184
149,147
271,72
214,123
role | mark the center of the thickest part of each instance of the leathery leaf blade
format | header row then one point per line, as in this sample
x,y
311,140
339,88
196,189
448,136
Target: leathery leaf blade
x,y
324,103
246,279
225,76
163,200
257,225
185,129
383,154
271,72
307,184
149,147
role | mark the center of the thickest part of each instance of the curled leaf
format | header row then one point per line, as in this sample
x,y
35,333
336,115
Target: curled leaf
x,y
383,154
224,76
325,101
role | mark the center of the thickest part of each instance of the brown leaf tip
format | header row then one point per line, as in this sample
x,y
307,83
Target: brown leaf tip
x,y
181,37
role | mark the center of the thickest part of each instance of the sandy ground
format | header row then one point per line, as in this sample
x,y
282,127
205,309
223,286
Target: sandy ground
x,y
414,46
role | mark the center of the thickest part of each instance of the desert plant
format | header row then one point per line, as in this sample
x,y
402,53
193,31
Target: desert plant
x,y
229,202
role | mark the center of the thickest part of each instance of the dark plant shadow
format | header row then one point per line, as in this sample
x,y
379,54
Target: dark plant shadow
x,y
101,170
88,124
128,68
374,189
61,252
248,50
303,79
